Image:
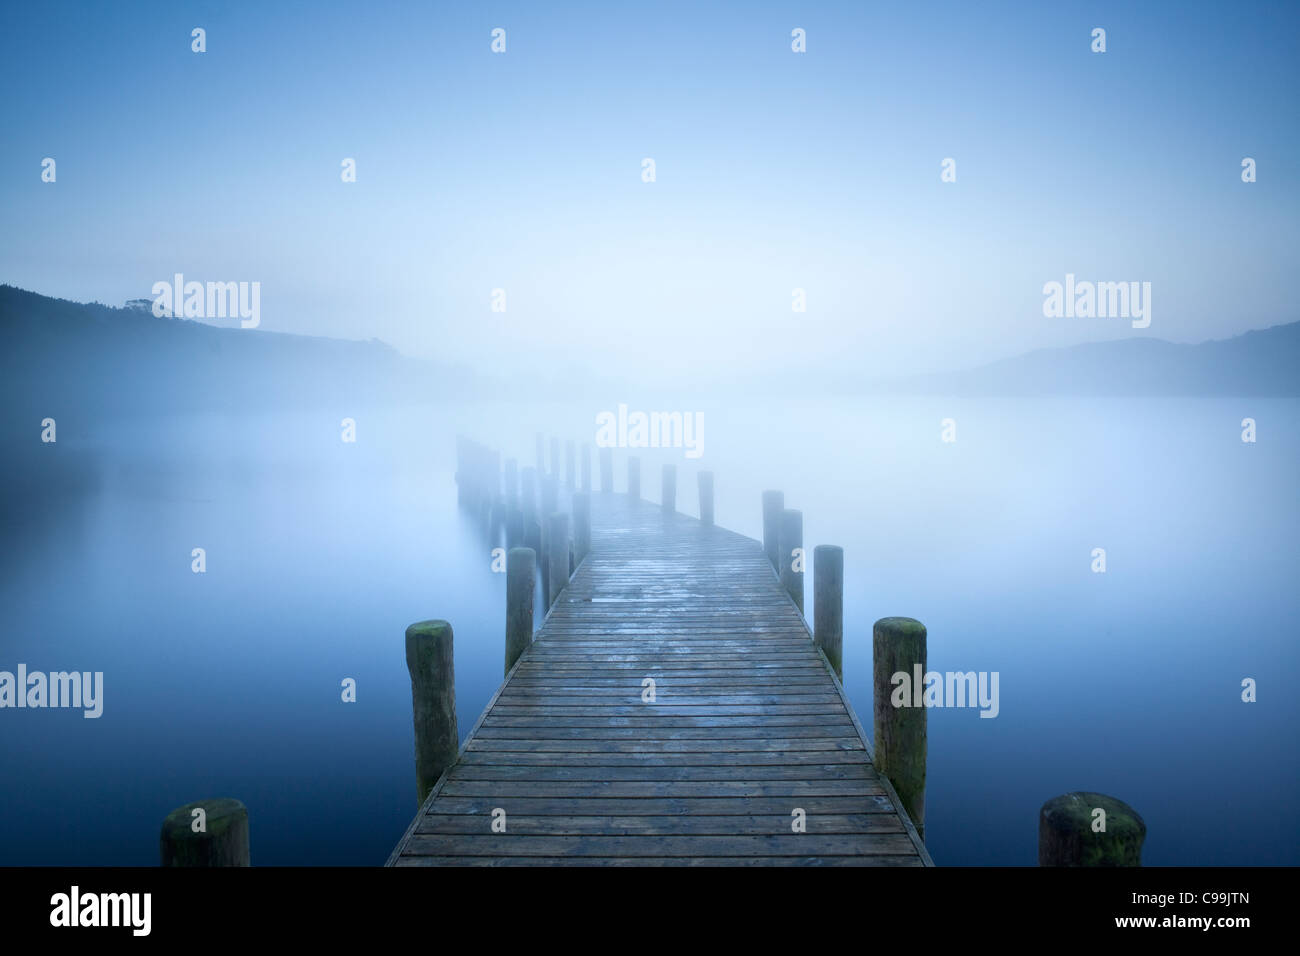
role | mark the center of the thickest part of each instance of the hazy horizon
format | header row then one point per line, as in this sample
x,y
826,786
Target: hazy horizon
x,y
775,171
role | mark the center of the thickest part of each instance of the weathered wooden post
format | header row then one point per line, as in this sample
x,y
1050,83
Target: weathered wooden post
x,y
550,503
557,543
790,540
521,575
533,538
432,665
634,478
606,470
221,841
898,647
581,526
828,603
669,497
773,505
570,472
514,528
555,457
1089,829
512,482
585,459
528,493
706,497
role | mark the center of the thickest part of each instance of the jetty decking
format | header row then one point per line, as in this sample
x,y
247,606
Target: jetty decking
x,y
747,727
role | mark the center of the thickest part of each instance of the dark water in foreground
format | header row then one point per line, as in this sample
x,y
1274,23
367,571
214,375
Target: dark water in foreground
x,y
319,553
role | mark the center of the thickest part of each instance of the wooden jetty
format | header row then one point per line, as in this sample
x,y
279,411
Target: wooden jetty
x,y
672,709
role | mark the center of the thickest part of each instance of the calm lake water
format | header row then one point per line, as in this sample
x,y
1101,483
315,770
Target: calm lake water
x,y
320,553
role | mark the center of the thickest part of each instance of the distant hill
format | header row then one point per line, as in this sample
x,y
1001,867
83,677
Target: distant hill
x,y
1265,362
91,361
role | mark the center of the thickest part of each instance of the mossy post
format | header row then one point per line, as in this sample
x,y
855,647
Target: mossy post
x,y
606,471
430,660
669,497
557,556
222,841
773,505
634,477
570,471
828,603
581,526
790,540
1072,831
898,647
521,596
706,497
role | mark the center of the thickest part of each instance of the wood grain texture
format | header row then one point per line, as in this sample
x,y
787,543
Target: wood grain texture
x,y
748,724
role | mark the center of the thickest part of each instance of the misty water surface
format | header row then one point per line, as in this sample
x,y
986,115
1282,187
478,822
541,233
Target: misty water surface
x,y
319,553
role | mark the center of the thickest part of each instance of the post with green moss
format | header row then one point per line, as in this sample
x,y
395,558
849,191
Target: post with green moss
x,y
790,541
634,477
668,499
1089,829
828,603
606,471
206,833
706,497
557,555
898,648
521,577
773,505
581,527
431,663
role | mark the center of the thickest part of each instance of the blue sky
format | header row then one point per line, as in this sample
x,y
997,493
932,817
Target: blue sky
x,y
775,170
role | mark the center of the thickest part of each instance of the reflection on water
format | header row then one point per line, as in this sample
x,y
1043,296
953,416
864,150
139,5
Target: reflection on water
x,y
319,553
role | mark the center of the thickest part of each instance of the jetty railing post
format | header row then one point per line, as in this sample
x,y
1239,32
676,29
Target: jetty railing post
x,y
773,505
223,840
581,526
570,472
1067,834
669,496
706,497
634,478
432,665
898,647
549,503
828,603
557,544
790,538
585,459
606,470
521,584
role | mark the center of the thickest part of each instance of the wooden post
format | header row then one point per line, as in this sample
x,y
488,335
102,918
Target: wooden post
x,y
828,603
550,502
555,457
581,526
432,666
706,497
570,475
557,543
634,477
222,842
1068,833
528,494
773,505
790,539
514,528
606,470
669,496
585,459
898,647
541,455
533,539
521,577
